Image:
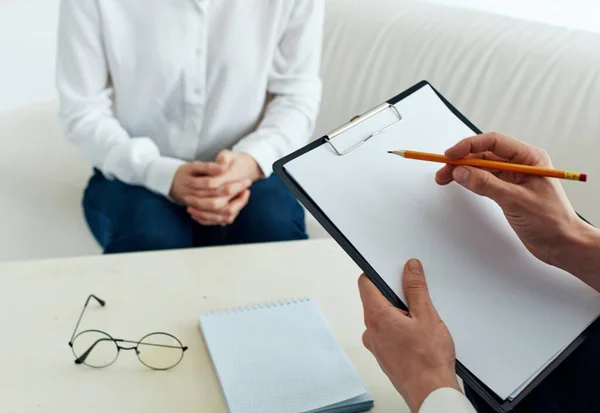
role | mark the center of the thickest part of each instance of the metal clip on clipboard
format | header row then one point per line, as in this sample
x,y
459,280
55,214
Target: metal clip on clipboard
x,y
358,119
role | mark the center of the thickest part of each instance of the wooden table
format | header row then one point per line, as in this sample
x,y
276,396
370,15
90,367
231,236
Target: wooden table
x,y
162,291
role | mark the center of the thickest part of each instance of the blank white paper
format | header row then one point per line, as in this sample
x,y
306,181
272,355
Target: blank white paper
x,y
509,313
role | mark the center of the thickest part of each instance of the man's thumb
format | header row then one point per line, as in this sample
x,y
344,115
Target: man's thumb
x,y
481,182
415,287
225,157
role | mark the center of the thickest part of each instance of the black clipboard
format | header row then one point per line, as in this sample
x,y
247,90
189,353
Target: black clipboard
x,y
468,378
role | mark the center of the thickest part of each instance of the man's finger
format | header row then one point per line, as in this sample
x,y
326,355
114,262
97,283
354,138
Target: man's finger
x,y
214,182
239,201
374,303
232,210
366,339
230,190
485,184
206,218
416,291
222,216
233,189
206,168
505,147
208,193
444,175
206,204
201,183
225,158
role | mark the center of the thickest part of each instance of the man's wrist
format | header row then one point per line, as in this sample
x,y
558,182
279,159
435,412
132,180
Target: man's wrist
x,y
254,171
580,253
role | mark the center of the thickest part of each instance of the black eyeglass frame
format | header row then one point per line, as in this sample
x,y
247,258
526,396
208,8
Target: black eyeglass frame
x,y
80,359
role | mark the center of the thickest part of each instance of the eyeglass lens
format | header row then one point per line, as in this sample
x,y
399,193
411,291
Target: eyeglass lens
x,y
101,350
160,351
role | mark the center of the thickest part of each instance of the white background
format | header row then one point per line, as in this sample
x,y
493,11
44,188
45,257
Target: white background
x,y
28,38
577,14
27,51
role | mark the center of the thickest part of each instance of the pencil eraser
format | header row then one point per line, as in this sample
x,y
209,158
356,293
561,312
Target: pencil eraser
x,y
583,177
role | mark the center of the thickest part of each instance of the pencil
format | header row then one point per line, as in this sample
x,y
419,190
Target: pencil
x,y
494,165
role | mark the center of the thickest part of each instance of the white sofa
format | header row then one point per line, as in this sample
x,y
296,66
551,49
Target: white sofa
x,y
538,82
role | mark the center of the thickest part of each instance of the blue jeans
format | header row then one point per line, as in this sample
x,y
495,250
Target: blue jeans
x,y
571,388
125,218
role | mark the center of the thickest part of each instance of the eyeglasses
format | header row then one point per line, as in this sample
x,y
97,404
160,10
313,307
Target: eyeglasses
x,y
95,348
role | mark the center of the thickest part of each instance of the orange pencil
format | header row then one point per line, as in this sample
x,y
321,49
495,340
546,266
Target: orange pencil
x,y
494,165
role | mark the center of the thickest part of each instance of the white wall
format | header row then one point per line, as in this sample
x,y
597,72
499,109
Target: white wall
x,y
27,51
28,38
575,14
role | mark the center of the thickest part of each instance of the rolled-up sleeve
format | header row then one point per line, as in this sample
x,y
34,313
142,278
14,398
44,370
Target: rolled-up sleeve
x,y
295,86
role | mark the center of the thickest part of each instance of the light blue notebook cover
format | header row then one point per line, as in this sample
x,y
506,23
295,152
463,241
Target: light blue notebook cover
x,y
282,358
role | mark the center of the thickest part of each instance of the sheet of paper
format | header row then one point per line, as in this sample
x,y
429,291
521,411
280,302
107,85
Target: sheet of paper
x,y
508,312
534,375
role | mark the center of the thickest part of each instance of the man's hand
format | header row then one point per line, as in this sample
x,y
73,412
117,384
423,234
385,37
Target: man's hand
x,y
415,349
218,211
217,199
240,166
218,204
537,208
186,175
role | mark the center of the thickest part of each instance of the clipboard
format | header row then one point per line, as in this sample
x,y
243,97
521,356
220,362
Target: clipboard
x,y
469,378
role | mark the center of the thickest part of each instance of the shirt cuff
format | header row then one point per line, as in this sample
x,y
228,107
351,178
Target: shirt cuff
x,y
262,153
160,174
446,400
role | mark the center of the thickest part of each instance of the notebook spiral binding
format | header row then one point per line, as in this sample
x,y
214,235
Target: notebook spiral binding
x,y
242,309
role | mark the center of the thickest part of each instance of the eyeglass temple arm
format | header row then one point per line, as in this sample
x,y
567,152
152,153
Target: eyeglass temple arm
x,y
81,359
99,300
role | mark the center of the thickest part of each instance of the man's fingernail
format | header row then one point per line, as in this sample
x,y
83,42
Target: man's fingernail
x,y
460,174
414,266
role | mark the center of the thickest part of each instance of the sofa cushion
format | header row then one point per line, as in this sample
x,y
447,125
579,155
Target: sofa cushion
x,y
41,180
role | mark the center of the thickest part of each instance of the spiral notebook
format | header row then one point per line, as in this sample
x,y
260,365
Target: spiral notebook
x,y
282,358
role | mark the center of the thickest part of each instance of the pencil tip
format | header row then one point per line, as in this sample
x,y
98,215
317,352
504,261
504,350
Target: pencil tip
x,y
392,152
